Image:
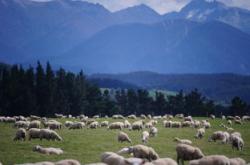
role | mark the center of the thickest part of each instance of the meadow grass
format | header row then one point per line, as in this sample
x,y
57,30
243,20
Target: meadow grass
x,y
87,145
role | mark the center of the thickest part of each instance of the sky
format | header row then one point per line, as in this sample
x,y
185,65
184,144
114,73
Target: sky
x,y
161,6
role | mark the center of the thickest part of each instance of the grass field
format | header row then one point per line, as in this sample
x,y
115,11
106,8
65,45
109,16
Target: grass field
x,y
86,145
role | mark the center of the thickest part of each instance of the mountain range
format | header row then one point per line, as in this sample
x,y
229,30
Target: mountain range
x,y
203,37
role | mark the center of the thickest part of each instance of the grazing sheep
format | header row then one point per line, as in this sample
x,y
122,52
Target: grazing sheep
x,y
188,118
132,117
127,124
33,117
187,124
104,123
238,122
145,136
197,124
140,151
34,133
20,134
111,158
53,125
149,116
205,124
49,135
94,125
116,125
77,125
35,124
68,123
229,122
200,133
153,131
183,141
138,125
211,160
187,152
237,142
68,162
237,118
237,161
212,117
219,135
118,117
22,124
180,116
122,136
149,125
48,151
246,118
143,116
167,124
162,161
96,117
176,124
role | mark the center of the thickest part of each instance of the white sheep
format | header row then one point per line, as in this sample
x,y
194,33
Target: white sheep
x,y
140,151
183,141
137,125
145,136
187,152
237,161
162,161
122,136
22,124
211,160
94,125
20,134
34,133
68,162
104,123
35,124
116,125
111,158
48,151
237,142
68,123
127,124
153,131
77,125
49,135
200,133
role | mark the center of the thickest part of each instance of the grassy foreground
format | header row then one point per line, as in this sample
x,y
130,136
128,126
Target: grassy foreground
x,y
86,145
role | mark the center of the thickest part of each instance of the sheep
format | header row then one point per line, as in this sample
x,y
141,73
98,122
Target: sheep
x,y
157,117
186,124
219,135
140,151
122,136
131,117
167,124
237,161
183,141
39,163
180,116
127,124
77,125
116,125
48,151
188,118
212,117
230,118
196,124
68,123
49,135
145,136
94,125
20,134
143,116
149,116
187,152
205,124
223,117
237,142
89,121
149,125
96,116
35,124
104,123
237,118
200,133
238,122
153,131
33,117
118,117
162,161
22,124
246,118
229,122
211,160
176,124
111,158
68,162
34,133
53,125
138,125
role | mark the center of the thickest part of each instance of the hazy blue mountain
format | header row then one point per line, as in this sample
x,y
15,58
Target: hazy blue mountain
x,y
137,14
216,86
177,46
203,10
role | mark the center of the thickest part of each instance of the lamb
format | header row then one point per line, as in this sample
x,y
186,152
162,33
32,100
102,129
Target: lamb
x,y
34,133
111,158
68,162
187,152
200,133
49,135
237,142
77,125
48,151
145,136
237,161
35,124
153,131
104,124
116,125
20,134
141,151
162,161
211,160
183,141
122,136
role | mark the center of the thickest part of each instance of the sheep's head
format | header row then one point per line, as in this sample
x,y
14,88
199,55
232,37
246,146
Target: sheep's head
x,y
198,154
153,154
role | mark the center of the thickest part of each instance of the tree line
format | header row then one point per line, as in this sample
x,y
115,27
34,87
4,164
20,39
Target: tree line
x,y
44,92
